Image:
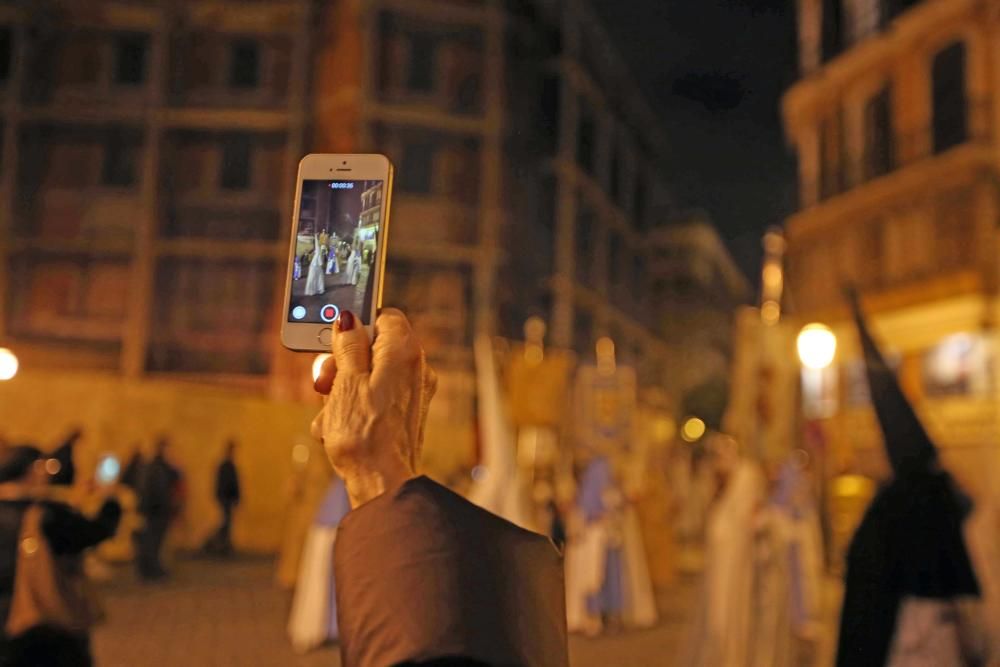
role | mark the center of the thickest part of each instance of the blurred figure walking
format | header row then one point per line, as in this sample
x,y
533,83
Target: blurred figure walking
x,y
227,493
159,502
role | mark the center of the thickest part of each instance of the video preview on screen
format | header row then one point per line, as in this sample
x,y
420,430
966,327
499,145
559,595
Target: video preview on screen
x,y
335,250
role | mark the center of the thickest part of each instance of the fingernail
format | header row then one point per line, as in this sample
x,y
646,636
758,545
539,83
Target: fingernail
x,y
346,321
316,386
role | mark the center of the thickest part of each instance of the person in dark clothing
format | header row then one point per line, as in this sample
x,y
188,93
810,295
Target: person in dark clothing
x,y
424,577
909,546
67,532
227,493
157,505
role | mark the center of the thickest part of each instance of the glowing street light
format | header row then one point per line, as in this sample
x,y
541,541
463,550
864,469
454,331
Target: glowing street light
x,y
8,364
817,346
693,429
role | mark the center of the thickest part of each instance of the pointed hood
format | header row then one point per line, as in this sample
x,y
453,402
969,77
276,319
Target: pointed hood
x,y
906,442
66,473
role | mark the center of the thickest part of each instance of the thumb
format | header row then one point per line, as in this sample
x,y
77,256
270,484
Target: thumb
x,y
351,347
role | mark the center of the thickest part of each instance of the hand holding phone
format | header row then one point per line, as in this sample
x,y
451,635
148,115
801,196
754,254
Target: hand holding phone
x,y
336,257
108,470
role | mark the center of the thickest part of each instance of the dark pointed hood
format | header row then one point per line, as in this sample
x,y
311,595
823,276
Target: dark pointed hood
x,y
907,443
66,473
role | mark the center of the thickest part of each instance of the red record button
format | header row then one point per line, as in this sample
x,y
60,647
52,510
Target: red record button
x,y
329,313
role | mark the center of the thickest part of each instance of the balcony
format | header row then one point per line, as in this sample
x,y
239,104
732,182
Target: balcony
x,y
912,236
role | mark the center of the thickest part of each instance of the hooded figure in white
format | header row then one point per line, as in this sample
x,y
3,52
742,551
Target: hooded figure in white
x,y
723,630
315,283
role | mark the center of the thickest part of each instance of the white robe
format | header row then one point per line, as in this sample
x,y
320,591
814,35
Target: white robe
x,y
721,636
315,283
354,267
309,621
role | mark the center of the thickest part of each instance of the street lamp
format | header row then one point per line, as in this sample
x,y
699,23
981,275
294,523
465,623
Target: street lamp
x,y
817,346
8,364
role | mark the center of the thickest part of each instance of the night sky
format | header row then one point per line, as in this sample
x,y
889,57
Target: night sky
x,y
714,71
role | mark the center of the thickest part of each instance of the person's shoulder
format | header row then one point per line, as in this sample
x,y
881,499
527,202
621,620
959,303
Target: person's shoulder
x,y
421,500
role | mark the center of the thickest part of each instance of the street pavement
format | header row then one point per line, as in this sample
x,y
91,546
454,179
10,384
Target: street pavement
x,y
230,614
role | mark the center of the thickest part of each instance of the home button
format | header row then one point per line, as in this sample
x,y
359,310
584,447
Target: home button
x,y
325,336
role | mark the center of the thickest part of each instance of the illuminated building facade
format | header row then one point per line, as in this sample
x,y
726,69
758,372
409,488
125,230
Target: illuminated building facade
x,y
146,179
894,122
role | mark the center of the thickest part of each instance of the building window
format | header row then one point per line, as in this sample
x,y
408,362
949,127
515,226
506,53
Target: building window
x,y
549,107
130,59
6,52
585,139
244,64
422,63
831,156
878,135
583,333
585,229
639,203
896,7
615,177
416,169
119,167
960,365
234,172
869,18
833,28
951,123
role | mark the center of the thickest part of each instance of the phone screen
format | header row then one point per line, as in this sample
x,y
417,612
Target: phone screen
x,y
336,250
108,469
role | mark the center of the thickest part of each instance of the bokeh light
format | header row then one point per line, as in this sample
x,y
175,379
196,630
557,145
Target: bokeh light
x,y
817,346
8,364
693,429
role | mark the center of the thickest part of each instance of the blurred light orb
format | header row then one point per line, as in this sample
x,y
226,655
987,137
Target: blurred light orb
x,y
479,473
300,454
772,275
8,364
770,312
318,364
693,429
817,345
52,466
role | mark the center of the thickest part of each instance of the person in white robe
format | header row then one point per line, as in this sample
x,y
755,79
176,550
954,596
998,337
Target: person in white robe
x,y
313,619
354,266
607,576
333,262
722,631
315,283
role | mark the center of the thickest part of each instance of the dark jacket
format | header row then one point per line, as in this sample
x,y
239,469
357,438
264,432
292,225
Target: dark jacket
x,y
68,533
424,577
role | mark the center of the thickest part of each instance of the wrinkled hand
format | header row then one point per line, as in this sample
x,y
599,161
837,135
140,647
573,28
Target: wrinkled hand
x,y
372,421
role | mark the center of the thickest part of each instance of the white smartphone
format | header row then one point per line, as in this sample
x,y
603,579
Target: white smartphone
x,y
108,469
336,256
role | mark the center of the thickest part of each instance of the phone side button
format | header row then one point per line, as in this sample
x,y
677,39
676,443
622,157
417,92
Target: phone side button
x,y
325,336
